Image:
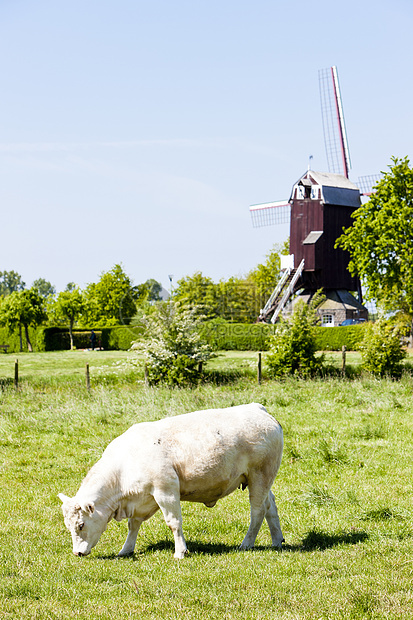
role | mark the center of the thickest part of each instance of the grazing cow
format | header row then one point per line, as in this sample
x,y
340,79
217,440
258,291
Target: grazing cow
x,y
196,457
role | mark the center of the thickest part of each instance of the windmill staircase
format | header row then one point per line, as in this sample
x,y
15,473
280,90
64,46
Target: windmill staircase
x,y
281,294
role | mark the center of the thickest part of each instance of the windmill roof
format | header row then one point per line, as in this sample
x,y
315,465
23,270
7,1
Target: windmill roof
x,y
328,179
336,189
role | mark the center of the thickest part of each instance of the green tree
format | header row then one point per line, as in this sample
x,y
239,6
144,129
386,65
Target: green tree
x,y
44,288
69,306
148,292
380,241
238,299
198,293
22,309
10,281
172,347
110,301
154,289
265,276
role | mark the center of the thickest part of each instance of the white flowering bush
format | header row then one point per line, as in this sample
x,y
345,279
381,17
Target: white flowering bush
x,y
173,349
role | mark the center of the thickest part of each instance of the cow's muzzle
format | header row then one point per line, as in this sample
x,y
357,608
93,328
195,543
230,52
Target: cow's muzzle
x,y
79,554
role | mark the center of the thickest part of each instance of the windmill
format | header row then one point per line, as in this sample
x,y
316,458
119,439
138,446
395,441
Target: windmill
x,y
320,206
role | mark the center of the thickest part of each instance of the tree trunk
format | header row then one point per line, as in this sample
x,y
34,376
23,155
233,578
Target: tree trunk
x,y
71,335
29,344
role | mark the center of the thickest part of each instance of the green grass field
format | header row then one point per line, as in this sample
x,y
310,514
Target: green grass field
x,y
344,494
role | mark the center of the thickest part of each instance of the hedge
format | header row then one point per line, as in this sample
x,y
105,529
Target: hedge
x,y
237,336
58,338
12,339
243,337
334,338
220,335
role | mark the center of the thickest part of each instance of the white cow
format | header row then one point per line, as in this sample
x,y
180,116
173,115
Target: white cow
x,y
195,457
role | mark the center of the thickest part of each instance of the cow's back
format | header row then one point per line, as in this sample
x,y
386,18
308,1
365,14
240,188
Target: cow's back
x,y
210,451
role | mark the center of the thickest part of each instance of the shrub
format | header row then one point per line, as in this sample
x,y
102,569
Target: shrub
x,y
382,350
173,348
293,347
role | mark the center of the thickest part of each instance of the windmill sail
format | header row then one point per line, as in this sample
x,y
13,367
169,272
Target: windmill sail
x,y
367,183
335,135
270,213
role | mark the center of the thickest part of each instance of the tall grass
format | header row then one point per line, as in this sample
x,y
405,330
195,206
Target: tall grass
x,y
344,494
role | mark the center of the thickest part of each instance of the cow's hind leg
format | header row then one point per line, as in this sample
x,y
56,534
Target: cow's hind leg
x,y
258,493
130,542
262,505
271,516
169,503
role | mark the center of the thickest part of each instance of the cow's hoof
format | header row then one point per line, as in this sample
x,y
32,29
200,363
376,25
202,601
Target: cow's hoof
x,y
181,554
278,545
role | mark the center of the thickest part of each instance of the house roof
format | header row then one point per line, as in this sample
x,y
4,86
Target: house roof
x,y
340,299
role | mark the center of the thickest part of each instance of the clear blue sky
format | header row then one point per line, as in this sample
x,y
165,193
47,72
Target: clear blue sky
x,y
140,132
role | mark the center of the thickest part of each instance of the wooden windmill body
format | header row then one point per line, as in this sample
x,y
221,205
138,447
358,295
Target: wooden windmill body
x,y
320,206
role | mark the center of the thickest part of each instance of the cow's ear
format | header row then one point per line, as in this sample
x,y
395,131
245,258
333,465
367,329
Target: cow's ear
x,y
90,508
64,498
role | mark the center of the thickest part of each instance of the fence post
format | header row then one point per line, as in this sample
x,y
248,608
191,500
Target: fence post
x,y
259,370
146,376
16,373
87,377
343,358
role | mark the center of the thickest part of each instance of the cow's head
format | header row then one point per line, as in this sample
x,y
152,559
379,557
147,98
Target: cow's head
x,y
84,522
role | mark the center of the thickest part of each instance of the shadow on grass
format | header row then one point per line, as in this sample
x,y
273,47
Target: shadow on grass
x,y
6,383
315,540
194,547
320,540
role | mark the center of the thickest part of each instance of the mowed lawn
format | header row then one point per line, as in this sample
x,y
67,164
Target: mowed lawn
x,y
344,494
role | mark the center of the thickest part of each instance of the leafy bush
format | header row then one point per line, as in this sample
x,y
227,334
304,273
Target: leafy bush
x,y
382,350
293,346
173,348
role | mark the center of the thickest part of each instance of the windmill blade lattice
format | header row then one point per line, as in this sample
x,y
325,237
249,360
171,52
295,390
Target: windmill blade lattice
x,y
270,213
367,183
335,135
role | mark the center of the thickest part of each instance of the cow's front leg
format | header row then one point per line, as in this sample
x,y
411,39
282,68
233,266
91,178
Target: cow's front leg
x,y
130,542
169,503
